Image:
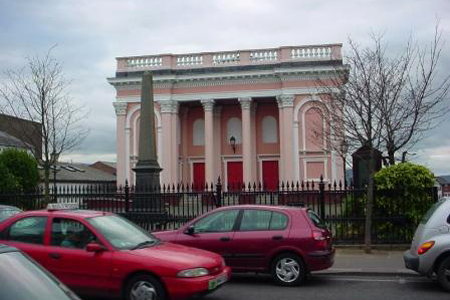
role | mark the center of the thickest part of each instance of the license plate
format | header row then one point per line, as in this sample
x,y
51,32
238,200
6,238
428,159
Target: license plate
x,y
214,283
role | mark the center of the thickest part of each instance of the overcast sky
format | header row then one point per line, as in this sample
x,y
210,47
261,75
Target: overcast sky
x,y
91,33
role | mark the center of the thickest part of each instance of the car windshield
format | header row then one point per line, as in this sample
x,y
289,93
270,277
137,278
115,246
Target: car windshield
x,y
121,233
20,278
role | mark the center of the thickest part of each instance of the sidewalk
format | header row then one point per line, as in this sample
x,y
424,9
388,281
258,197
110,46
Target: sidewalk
x,y
379,262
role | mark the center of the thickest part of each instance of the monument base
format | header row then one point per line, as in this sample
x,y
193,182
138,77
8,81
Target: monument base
x,y
147,193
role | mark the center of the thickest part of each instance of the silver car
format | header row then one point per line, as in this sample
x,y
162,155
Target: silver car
x,y
430,248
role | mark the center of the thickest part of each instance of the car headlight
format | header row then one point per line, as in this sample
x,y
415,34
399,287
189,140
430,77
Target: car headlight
x,y
197,272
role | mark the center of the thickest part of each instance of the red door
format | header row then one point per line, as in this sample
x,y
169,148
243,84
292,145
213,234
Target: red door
x,y
270,174
199,175
234,175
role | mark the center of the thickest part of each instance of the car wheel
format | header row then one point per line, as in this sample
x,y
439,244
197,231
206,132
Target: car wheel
x,y
144,287
443,274
288,269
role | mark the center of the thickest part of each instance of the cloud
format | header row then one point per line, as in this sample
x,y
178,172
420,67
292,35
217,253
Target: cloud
x,y
90,34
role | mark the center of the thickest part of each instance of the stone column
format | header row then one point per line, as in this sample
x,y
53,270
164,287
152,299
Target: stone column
x,y
217,142
287,141
208,106
169,114
281,136
249,170
121,114
184,144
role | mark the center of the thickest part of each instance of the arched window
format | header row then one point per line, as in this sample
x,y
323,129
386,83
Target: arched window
x,y
198,132
314,129
269,130
234,128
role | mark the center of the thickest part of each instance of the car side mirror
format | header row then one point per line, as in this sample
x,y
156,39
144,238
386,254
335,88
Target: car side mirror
x,y
94,247
190,230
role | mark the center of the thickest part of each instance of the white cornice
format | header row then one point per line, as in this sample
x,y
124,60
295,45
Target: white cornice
x,y
194,80
230,95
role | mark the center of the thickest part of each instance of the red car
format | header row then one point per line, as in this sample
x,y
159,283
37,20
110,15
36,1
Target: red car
x,y
287,242
102,254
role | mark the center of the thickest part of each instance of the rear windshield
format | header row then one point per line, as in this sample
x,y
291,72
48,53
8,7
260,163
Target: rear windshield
x,y
316,219
21,278
430,212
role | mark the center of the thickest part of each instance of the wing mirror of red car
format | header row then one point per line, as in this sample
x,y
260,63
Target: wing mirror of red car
x,y
94,247
190,230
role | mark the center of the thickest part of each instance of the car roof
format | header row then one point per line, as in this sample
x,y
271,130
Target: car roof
x,y
261,206
78,213
8,206
6,249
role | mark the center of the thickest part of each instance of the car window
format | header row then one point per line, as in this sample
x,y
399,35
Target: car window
x,y
121,233
430,212
7,213
21,278
69,233
316,219
28,230
254,219
279,221
217,222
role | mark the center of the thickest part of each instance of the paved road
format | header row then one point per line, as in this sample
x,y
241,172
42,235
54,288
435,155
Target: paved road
x,y
332,287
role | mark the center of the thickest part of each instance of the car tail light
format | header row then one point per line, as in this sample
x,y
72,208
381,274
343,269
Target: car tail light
x,y
425,247
318,236
321,239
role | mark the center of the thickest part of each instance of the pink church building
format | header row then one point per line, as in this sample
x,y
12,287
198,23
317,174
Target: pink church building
x,y
245,115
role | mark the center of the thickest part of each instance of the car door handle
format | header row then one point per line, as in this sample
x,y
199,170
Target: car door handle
x,y
277,237
225,238
55,255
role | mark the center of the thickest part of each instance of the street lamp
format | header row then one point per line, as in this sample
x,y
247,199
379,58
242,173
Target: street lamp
x,y
233,143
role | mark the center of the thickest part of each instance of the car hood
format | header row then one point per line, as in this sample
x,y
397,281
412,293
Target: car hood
x,y
167,235
182,256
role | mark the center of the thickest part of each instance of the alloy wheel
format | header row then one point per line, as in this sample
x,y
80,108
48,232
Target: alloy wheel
x,y
143,290
287,270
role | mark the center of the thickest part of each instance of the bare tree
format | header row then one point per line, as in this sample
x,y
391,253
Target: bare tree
x,y
352,112
385,102
38,92
411,102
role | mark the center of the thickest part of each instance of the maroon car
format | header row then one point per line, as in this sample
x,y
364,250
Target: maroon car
x,y
287,242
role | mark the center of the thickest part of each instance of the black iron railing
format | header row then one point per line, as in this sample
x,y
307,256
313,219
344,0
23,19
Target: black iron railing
x,y
170,206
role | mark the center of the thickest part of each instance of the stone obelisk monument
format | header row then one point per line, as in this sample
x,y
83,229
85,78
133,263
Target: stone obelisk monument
x,y
147,168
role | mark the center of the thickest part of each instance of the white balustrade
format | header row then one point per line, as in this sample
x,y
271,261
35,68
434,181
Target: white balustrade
x,y
143,62
189,60
263,55
297,53
226,58
311,52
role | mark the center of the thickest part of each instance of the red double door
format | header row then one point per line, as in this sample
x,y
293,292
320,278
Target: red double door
x,y
270,174
199,175
235,175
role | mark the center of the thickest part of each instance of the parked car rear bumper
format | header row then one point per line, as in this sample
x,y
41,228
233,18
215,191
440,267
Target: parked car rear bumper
x,y
320,260
411,260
